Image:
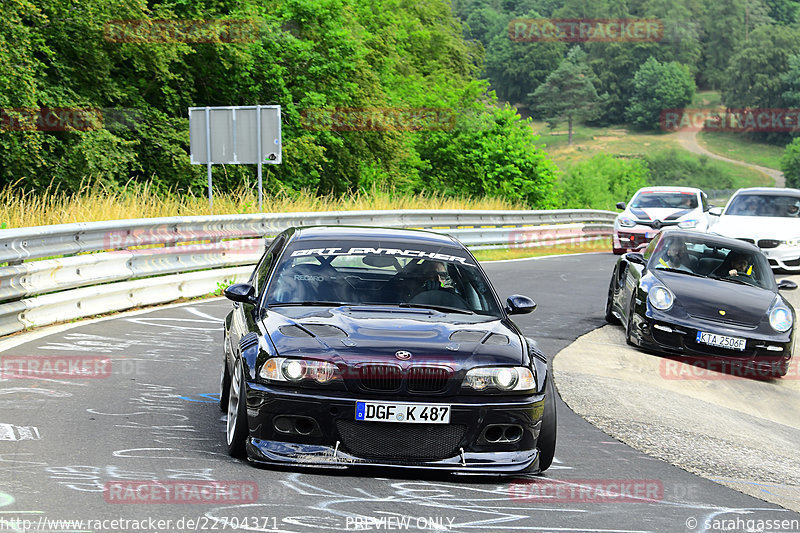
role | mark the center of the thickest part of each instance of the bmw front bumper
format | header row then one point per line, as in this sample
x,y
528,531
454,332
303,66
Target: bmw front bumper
x,y
309,428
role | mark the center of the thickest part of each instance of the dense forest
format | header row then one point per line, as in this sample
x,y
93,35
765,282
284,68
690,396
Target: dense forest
x,y
366,54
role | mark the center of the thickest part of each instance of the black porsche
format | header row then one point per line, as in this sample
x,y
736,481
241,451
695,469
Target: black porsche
x,y
382,347
700,296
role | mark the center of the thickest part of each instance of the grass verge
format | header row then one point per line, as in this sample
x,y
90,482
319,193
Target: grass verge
x,y
738,146
540,251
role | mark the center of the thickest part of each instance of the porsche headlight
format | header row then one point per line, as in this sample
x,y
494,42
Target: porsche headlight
x,y
688,224
504,378
780,318
626,222
298,370
661,298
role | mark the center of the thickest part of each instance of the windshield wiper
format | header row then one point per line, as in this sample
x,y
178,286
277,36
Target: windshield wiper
x,y
732,280
442,308
668,269
308,304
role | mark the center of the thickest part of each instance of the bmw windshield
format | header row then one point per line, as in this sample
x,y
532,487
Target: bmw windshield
x,y
359,273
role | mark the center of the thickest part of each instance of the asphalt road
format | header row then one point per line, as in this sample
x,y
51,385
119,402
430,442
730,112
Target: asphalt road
x,y
72,449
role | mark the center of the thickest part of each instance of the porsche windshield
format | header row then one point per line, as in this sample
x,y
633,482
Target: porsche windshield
x,y
402,273
708,259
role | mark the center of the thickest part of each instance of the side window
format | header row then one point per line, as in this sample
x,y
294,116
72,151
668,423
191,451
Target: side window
x,y
259,278
652,246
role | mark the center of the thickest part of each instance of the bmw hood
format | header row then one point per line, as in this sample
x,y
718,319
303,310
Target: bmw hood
x,y
707,298
351,335
747,227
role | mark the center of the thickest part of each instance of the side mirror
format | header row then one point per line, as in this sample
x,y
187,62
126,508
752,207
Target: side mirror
x,y
716,211
620,205
241,292
636,258
516,304
787,285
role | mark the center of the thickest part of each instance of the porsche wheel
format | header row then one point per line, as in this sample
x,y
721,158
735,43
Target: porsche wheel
x,y
236,428
547,435
629,325
610,318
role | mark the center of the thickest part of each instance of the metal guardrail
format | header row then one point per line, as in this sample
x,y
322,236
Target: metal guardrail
x,y
69,271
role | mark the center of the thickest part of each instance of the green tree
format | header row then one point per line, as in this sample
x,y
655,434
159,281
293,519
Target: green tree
x,y
658,86
783,11
729,25
568,93
514,67
753,78
790,164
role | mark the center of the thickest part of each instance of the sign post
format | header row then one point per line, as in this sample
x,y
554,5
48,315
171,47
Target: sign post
x,y
235,135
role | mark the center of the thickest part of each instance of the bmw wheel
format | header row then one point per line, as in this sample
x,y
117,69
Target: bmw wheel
x,y
547,435
224,387
236,427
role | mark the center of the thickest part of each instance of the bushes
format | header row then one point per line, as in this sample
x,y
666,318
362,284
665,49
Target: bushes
x,y
602,181
674,167
790,164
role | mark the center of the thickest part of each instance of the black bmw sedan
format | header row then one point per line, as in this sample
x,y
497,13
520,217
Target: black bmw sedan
x,y
704,296
382,347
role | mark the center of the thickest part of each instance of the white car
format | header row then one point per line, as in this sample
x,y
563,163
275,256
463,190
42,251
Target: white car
x,y
766,217
653,208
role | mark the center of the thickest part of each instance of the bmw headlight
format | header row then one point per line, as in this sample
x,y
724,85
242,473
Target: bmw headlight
x,y
504,378
792,242
780,318
688,224
661,298
298,370
626,222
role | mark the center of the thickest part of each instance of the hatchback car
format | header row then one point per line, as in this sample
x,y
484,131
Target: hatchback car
x,y
653,208
702,295
361,346
766,217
